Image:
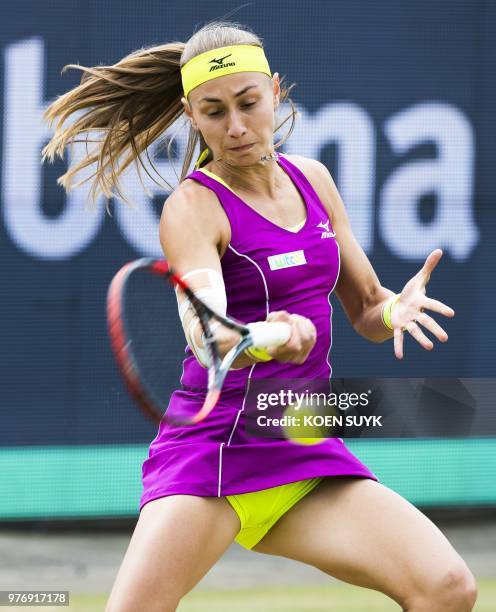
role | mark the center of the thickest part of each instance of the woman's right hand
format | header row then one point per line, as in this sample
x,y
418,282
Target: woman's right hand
x,y
301,341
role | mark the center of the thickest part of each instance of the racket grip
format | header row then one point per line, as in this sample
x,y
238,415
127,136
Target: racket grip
x,y
269,333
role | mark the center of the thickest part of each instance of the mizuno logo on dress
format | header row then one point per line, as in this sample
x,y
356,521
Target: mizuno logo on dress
x,y
287,260
324,225
219,63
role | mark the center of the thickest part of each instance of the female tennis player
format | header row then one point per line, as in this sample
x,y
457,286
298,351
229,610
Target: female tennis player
x,y
262,236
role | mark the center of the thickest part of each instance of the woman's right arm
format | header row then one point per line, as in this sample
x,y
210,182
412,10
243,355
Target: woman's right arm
x,y
193,229
191,235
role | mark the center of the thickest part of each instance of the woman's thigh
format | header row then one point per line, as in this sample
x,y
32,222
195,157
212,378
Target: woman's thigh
x,y
363,533
176,541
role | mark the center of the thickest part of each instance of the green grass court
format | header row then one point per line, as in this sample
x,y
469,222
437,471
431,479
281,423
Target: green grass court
x,y
335,597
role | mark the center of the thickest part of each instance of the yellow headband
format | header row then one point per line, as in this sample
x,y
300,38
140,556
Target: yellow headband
x,y
222,61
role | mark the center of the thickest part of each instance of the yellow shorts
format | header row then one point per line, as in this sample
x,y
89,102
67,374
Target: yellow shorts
x,y
258,511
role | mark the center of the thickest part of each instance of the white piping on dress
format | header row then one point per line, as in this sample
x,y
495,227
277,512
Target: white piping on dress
x,y
251,369
220,469
331,309
328,299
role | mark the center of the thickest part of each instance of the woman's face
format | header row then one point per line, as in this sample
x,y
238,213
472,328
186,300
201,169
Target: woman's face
x,y
236,110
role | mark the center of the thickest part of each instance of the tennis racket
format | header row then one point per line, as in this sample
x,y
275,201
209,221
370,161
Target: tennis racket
x,y
146,338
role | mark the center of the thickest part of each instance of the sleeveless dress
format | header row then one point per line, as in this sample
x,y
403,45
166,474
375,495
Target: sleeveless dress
x,y
265,268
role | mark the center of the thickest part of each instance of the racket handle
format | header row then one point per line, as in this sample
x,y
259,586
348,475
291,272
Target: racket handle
x,y
269,333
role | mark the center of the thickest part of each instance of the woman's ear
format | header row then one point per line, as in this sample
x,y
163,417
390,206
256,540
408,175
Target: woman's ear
x,y
187,111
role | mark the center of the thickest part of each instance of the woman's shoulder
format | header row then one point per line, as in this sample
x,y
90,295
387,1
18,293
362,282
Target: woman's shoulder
x,y
311,168
190,188
192,200
193,205
315,171
319,178
192,195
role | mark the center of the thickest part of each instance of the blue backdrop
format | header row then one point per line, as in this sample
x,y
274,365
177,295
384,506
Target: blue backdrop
x,y
396,98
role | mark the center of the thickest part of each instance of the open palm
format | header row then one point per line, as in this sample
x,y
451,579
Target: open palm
x,y
408,312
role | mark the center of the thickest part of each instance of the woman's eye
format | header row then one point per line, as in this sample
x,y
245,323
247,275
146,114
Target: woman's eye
x,y
248,104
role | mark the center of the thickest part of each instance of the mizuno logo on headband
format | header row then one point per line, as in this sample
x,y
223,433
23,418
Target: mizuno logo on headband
x,y
219,61
219,64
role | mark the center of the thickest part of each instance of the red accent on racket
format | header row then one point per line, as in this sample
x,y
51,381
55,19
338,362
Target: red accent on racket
x,y
137,318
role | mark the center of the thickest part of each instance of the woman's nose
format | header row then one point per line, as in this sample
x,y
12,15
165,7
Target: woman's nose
x,y
236,127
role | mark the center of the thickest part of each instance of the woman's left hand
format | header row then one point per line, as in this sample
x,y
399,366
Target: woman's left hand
x,y
408,312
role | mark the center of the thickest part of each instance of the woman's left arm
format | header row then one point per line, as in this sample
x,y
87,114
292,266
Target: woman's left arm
x,y
359,289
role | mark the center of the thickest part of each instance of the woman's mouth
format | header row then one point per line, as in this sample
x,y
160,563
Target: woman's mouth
x,y
243,148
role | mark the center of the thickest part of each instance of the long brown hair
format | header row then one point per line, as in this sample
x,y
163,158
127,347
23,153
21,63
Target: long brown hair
x,y
131,104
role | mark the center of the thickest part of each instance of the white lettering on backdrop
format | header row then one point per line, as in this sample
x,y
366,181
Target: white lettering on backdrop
x,y
449,176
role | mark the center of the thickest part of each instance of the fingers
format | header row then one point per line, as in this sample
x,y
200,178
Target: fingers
x,y
398,342
302,339
438,306
432,325
307,336
429,265
414,330
419,335
279,315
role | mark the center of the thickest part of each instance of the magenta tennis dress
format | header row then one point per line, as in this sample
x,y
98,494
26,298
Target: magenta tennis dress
x,y
265,268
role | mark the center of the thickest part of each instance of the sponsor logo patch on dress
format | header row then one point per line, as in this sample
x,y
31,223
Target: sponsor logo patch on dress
x,y
327,233
287,260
